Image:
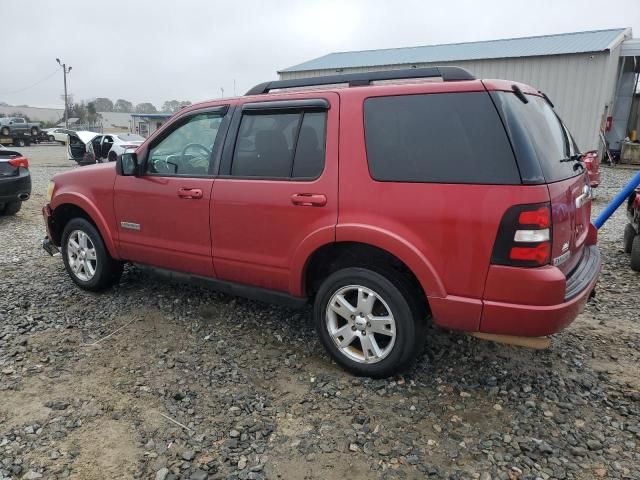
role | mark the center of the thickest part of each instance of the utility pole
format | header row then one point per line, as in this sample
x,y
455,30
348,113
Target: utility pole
x,y
66,70
234,87
222,92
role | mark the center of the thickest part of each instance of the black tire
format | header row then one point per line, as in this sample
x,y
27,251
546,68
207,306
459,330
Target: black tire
x,y
34,131
629,234
19,142
51,138
5,131
403,305
12,208
107,269
112,157
635,254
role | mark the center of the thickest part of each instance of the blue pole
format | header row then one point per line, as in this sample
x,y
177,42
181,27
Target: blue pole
x,y
617,201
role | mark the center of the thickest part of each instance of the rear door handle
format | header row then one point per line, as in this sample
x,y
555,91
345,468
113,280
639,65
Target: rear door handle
x,y
190,193
309,199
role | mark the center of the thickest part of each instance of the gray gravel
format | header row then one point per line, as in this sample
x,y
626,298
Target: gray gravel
x,y
258,398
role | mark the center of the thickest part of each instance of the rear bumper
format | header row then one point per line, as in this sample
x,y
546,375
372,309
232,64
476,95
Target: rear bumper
x,y
533,320
15,188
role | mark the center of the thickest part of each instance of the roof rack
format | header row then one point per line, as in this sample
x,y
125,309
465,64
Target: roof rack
x,y
448,74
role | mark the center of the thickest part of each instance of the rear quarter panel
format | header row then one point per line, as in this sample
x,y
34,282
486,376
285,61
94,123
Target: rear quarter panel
x,y
443,232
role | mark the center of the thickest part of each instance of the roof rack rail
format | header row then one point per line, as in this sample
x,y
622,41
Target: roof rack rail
x,y
448,74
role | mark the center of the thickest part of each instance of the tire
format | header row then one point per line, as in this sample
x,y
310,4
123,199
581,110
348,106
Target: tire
x,y
394,299
12,208
34,131
112,156
51,138
93,274
629,235
19,142
5,131
635,254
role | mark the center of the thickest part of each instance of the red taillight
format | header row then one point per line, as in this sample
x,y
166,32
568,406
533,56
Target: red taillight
x,y
19,162
541,217
539,254
524,236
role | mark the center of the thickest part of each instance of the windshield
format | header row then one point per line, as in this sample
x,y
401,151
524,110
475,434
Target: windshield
x,y
539,138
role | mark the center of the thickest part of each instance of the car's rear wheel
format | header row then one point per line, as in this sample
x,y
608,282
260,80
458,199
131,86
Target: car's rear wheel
x,y
34,131
112,156
369,322
11,208
629,234
86,258
635,254
5,131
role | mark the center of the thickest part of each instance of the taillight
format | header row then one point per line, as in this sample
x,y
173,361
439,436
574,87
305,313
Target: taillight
x,y
19,162
130,146
524,236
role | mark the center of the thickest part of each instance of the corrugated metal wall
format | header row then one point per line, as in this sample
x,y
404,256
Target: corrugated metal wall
x,y
579,85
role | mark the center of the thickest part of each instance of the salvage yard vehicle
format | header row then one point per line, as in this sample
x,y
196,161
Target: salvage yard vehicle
x,y
60,135
15,181
12,125
385,200
87,148
632,230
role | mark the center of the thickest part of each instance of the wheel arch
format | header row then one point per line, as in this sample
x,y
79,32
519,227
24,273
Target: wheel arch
x,y
75,207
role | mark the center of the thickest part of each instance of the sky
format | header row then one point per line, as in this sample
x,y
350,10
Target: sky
x,y
157,50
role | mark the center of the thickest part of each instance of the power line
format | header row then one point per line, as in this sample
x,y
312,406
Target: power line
x,y
31,86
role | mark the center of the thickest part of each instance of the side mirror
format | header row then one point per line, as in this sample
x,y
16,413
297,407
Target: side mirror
x,y
127,164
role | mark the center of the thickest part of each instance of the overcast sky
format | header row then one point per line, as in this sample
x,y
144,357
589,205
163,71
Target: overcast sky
x,y
151,51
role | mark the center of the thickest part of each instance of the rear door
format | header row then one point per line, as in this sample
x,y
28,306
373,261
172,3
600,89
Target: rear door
x,y
538,135
277,188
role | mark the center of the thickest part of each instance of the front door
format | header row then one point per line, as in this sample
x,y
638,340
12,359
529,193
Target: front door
x,y
277,189
163,215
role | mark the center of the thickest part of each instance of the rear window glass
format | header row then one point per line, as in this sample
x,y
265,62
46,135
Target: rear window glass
x,y
538,136
438,138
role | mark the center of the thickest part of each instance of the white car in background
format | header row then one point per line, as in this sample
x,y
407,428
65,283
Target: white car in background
x,y
59,135
91,147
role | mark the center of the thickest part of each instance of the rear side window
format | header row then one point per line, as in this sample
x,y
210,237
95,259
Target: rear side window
x,y
539,138
280,145
438,138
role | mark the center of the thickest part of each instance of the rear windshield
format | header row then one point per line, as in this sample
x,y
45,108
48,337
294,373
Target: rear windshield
x,y
541,142
438,138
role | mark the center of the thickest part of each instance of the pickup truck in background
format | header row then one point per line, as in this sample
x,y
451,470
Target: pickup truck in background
x,y
12,125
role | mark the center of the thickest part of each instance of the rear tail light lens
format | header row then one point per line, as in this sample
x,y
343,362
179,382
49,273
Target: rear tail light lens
x,y
19,162
524,236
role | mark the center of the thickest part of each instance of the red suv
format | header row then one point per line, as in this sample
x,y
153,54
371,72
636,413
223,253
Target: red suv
x,y
385,198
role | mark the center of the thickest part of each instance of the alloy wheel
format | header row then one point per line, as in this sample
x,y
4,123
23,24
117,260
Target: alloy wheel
x,y
361,324
81,254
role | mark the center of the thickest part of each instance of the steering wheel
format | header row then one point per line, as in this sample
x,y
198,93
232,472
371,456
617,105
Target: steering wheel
x,y
192,145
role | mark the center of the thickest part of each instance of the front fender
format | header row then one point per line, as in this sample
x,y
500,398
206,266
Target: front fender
x,y
83,202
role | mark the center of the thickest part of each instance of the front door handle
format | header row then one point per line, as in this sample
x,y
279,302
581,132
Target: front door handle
x,y
309,199
190,193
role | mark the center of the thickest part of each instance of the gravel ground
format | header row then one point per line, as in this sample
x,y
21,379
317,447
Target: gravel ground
x,y
194,384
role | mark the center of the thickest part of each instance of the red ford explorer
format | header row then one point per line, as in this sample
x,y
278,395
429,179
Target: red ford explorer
x,y
388,199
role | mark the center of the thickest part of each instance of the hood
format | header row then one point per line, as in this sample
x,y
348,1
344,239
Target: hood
x,y
90,176
85,136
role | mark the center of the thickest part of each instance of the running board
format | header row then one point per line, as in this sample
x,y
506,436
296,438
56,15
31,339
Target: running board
x,y
538,343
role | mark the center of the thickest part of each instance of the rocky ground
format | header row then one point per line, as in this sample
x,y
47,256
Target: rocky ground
x,y
193,384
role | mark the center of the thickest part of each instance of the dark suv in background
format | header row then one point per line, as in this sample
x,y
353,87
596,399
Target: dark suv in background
x,y
385,198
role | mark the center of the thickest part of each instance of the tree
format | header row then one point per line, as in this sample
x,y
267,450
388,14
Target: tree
x,y
103,104
146,108
123,106
172,106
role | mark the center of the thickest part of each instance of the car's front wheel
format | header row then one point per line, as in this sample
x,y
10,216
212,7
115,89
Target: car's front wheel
x,y
370,323
635,254
5,131
52,138
86,258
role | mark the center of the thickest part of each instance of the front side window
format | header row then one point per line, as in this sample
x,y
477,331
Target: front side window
x,y
280,145
187,149
438,138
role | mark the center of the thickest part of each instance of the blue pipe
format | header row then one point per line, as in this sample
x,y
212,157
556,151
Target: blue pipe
x,y
617,201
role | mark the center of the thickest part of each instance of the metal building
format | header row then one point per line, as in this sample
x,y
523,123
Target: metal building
x,y
590,76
